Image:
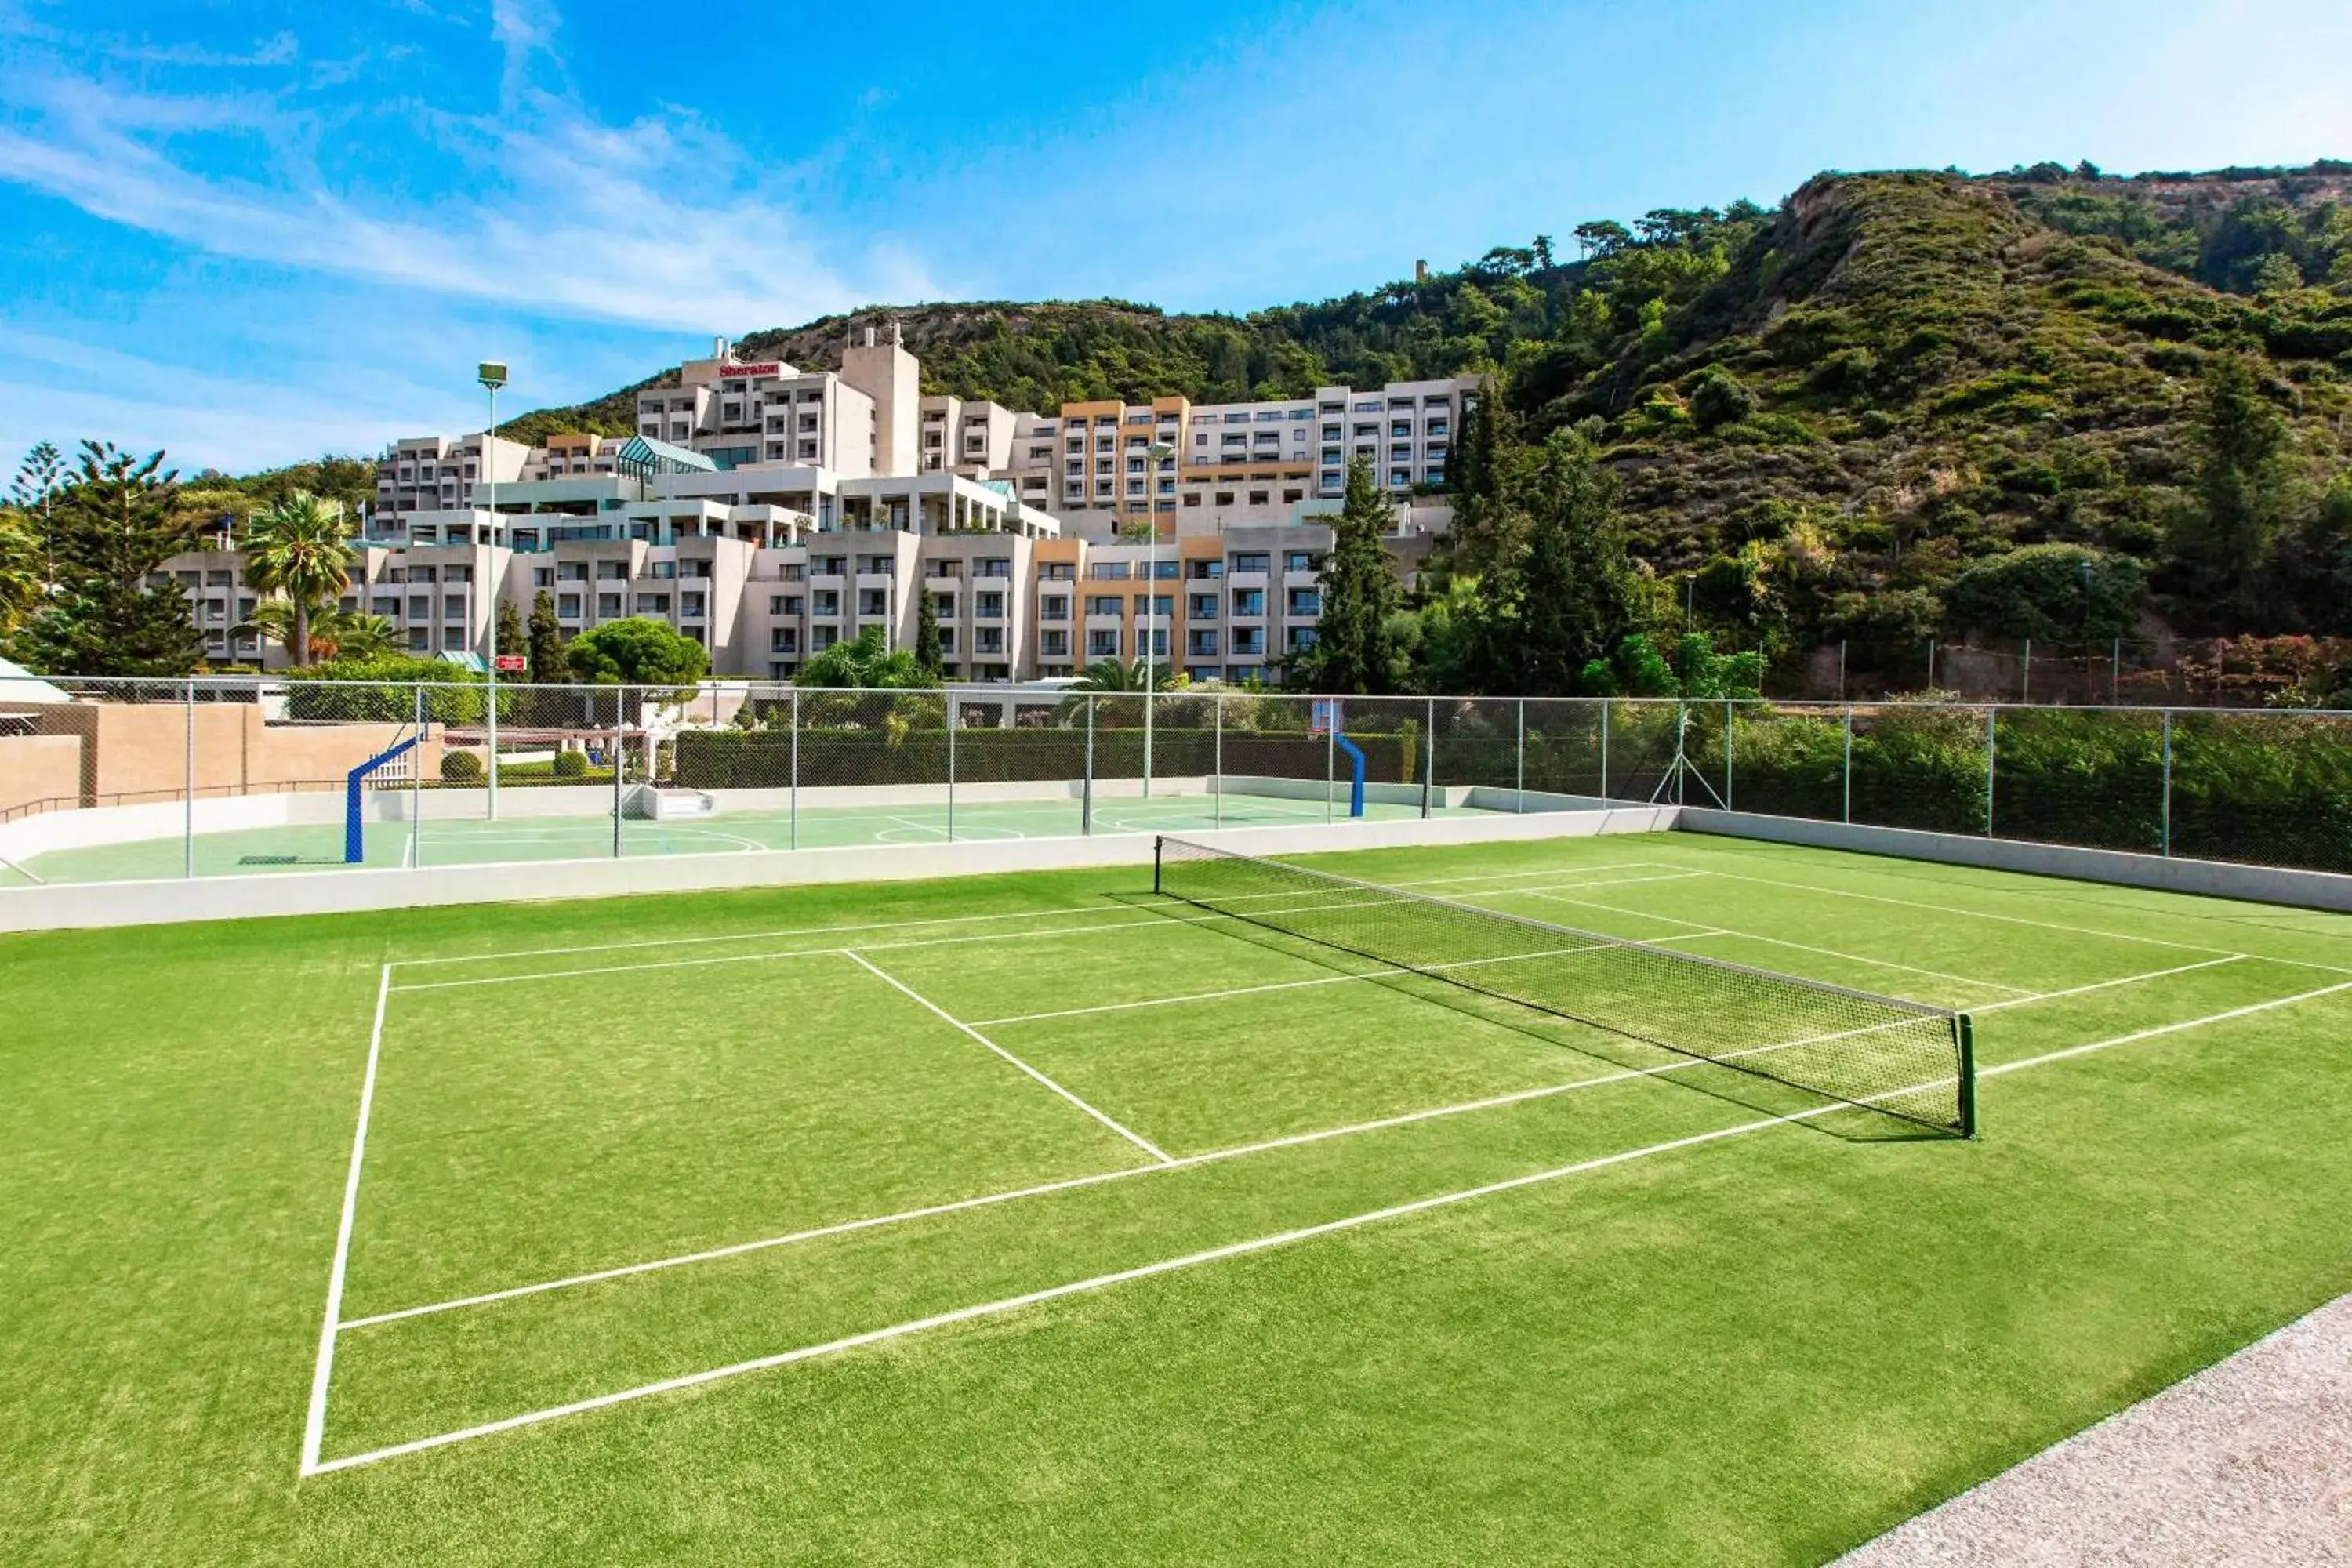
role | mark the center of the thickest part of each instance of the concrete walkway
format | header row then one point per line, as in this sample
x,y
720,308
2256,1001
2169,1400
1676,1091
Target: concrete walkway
x,y
2248,1462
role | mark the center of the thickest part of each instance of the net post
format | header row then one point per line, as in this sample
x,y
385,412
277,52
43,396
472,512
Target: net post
x,y
1966,1032
1157,842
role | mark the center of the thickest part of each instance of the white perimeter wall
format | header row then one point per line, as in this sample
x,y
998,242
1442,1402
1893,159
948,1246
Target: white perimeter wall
x,y
2210,879
63,907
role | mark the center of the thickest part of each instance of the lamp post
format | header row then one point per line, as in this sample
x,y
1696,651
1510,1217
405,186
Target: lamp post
x,y
1156,454
493,375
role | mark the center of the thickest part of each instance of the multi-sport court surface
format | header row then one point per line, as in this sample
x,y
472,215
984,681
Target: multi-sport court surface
x,y
464,841
1047,1217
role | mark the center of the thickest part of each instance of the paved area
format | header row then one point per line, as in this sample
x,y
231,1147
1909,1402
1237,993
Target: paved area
x,y
2248,1463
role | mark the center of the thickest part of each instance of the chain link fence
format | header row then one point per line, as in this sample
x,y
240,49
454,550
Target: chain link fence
x,y
129,779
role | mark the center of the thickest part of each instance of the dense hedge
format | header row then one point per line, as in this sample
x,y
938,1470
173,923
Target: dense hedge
x,y
904,754
2265,788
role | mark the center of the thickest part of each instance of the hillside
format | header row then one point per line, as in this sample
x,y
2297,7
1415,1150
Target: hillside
x,y
1900,372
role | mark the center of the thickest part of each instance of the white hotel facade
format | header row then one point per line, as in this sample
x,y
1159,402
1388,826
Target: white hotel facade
x,y
768,512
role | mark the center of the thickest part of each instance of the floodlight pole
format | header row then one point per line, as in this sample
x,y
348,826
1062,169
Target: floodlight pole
x,y
492,376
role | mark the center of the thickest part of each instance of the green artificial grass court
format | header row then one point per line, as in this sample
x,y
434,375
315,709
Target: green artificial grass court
x,y
263,851
1694,1331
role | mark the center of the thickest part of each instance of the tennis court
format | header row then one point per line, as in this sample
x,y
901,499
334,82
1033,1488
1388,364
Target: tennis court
x,y
797,1144
1043,1218
523,836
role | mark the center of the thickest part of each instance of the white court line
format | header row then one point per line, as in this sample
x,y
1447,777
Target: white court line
x,y
1068,1183
1384,972
1151,917
1046,912
1293,1140
1775,941
1137,1139
314,1424
1232,1249
1979,914
1053,1293
2103,985
2059,1055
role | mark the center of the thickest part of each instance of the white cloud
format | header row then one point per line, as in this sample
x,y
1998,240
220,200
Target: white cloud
x,y
661,222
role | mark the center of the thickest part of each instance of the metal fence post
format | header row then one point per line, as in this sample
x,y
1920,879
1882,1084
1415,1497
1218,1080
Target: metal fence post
x,y
952,732
1520,760
1841,669
1330,756
612,755
1604,748
2025,674
188,815
2116,670
1931,664
1849,762
417,786
2167,829
1087,787
1217,781
1992,747
1728,714
793,839
1429,763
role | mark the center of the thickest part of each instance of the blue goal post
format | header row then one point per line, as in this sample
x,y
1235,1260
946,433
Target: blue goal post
x,y
354,817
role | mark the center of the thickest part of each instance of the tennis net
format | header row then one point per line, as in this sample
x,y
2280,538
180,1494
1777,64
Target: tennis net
x,y
1906,1059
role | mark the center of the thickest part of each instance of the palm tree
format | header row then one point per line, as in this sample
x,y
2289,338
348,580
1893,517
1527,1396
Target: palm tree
x,y
351,634
1112,675
297,546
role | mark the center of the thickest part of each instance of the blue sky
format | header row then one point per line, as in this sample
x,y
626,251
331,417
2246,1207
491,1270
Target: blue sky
x,y
252,230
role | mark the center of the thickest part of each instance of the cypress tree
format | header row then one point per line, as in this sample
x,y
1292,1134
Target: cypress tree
x,y
1355,650
929,656
545,642
1575,601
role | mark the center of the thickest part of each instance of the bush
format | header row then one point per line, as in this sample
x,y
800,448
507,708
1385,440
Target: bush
x,y
2052,591
1718,398
571,765
460,767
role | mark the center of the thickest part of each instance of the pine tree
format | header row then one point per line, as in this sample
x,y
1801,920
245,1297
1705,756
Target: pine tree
x,y
1575,601
929,656
544,641
112,525
1355,650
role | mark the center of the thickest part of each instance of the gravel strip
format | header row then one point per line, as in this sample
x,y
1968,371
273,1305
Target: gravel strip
x,y
2248,1462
